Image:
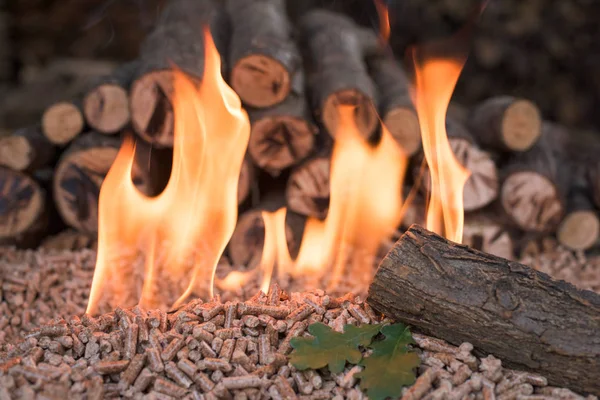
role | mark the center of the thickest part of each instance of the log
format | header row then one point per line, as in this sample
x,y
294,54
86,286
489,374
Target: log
x,y
62,122
26,149
281,136
504,308
177,40
79,175
307,192
536,183
247,241
580,228
482,186
265,60
246,181
69,240
395,105
483,233
106,104
334,49
506,123
23,216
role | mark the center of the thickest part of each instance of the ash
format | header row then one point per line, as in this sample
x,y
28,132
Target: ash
x,y
224,348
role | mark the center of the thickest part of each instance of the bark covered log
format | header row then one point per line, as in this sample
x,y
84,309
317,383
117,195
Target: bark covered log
x,y
396,107
177,41
506,123
106,104
23,214
536,183
282,135
334,49
265,60
503,308
26,149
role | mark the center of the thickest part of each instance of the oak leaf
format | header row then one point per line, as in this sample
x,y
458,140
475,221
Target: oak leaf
x,y
391,365
331,348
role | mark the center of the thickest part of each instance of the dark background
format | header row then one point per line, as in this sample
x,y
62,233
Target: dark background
x,y
544,50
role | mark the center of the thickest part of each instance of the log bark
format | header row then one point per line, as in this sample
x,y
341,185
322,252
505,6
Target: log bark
x,y
504,308
26,149
23,216
307,191
106,104
506,123
79,175
536,183
265,60
482,186
395,105
62,122
481,232
580,228
334,49
283,135
177,40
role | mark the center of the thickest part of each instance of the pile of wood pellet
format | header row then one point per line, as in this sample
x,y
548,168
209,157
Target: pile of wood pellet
x,y
232,350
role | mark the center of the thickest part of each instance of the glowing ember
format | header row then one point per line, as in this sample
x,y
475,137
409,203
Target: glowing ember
x,y
183,231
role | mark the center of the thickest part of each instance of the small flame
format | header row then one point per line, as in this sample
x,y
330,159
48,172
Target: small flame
x,y
384,20
183,231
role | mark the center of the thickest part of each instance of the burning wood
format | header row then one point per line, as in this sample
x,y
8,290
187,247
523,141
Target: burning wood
x,y
422,282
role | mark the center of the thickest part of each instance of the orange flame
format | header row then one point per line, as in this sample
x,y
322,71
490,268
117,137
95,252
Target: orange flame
x,y
183,231
384,20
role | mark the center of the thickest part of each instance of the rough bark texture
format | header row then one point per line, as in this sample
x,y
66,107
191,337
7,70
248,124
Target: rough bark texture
x,y
26,149
307,191
176,41
106,104
536,183
504,308
580,227
506,123
334,49
282,135
265,60
395,105
22,209
62,122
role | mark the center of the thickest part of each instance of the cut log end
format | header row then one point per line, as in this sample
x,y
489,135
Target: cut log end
x,y
16,152
106,108
484,234
62,122
247,240
366,116
260,81
307,191
280,142
403,125
579,230
532,201
21,204
152,114
521,125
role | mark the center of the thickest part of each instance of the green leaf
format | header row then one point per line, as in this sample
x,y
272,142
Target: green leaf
x,y
331,348
391,366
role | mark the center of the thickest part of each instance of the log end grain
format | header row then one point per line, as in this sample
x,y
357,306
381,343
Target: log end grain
x,y
152,115
16,152
403,125
365,113
61,122
521,125
532,201
481,233
22,205
279,142
307,191
247,240
579,230
260,81
106,108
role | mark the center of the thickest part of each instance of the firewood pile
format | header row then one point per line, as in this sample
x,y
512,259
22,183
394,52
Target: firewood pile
x,y
529,179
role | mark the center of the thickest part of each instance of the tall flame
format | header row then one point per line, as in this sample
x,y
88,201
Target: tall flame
x,y
183,231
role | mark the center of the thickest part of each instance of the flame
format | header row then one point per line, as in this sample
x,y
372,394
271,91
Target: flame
x,y
181,233
384,20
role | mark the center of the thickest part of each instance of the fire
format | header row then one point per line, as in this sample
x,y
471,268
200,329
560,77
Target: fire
x,y
365,209
181,233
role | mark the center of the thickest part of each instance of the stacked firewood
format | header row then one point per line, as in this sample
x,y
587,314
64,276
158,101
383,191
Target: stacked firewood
x,y
528,178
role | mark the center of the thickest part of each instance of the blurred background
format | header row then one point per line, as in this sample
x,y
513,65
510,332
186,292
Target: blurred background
x,y
545,50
